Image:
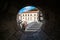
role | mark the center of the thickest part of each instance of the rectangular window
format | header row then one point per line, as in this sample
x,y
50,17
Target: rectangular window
x,y
25,18
34,18
30,18
25,14
34,14
30,14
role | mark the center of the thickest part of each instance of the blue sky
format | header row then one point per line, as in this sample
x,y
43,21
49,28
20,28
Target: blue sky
x,y
27,8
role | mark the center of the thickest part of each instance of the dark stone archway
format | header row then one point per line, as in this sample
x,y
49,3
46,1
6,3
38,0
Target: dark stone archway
x,y
9,10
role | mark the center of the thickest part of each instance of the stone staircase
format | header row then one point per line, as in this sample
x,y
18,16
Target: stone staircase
x,y
33,26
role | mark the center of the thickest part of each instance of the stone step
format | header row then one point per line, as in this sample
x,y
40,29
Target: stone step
x,y
33,27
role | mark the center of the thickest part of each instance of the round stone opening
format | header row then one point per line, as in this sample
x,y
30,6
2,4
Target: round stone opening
x,y
29,18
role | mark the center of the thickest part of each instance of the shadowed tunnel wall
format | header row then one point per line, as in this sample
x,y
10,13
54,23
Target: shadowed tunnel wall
x,y
9,9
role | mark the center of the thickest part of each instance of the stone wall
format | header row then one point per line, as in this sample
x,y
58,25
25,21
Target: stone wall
x,y
8,26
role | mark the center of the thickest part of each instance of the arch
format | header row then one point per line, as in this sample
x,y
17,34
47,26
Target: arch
x,y
28,10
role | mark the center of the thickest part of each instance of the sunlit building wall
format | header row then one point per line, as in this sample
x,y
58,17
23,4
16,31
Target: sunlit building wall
x,y
30,16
